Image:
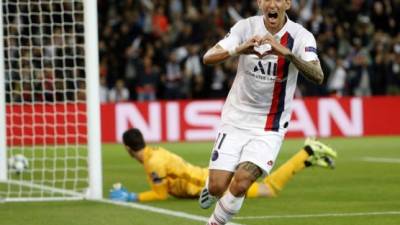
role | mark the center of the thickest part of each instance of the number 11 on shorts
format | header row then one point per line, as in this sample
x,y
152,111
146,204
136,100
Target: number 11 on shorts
x,y
219,141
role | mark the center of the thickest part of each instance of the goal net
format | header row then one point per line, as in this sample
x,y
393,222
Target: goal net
x,y
49,86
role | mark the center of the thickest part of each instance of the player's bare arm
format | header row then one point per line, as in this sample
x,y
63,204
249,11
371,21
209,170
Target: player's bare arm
x,y
311,70
217,54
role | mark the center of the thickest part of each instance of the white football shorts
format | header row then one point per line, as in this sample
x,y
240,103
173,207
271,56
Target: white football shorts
x,y
234,146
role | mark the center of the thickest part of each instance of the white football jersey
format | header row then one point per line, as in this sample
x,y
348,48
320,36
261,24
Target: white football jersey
x,y
262,92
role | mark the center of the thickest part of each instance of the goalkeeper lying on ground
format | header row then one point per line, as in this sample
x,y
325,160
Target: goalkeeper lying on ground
x,y
168,174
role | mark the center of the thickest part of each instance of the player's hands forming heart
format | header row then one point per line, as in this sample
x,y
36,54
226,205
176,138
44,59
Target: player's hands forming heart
x,y
249,47
276,47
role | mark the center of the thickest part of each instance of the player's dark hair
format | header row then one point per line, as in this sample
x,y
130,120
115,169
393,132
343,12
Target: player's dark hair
x,y
134,139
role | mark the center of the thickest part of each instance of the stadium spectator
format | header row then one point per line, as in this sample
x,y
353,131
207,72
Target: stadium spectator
x,y
359,69
169,175
193,73
103,90
337,79
172,78
160,22
218,84
148,76
81,90
394,69
119,93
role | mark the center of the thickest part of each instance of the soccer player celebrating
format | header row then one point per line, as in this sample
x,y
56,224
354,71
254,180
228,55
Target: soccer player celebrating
x,y
168,174
272,49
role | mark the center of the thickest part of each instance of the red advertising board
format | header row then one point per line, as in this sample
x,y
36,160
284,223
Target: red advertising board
x,y
199,120
39,124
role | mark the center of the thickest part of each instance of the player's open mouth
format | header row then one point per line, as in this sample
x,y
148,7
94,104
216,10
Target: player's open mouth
x,y
272,17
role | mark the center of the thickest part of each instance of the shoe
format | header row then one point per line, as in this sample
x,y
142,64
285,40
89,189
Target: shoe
x,y
324,161
320,154
205,199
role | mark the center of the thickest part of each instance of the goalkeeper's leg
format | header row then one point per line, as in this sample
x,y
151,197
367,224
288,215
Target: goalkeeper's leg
x,y
314,153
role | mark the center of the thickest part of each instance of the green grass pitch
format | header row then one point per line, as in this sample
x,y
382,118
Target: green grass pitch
x,y
364,189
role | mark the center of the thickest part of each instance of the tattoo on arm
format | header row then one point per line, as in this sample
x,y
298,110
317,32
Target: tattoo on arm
x,y
251,168
311,70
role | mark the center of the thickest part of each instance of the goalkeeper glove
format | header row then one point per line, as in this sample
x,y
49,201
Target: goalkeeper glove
x,y
119,193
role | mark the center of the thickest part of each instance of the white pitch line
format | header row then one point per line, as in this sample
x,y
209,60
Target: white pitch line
x,y
318,215
167,212
381,160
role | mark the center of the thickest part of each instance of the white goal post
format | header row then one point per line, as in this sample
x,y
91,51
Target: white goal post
x,y
49,100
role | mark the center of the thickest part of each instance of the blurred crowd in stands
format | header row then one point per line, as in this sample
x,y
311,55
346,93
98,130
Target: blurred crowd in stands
x,y
152,49
44,51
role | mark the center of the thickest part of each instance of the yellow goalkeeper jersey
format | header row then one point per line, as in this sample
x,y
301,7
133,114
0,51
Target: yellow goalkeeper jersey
x,y
169,174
